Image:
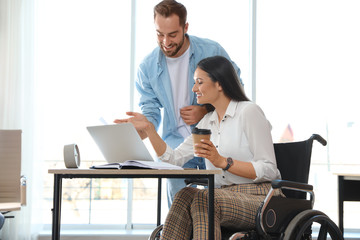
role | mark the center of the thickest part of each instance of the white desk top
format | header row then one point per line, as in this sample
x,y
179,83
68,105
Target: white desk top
x,y
349,175
133,171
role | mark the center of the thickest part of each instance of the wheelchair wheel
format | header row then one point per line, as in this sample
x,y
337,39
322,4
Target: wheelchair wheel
x,y
300,227
155,235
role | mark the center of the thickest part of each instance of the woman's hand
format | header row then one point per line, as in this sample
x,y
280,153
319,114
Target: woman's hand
x,y
208,150
140,122
239,168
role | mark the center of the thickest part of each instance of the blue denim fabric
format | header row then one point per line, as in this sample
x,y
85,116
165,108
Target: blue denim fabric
x,y
195,162
2,220
175,184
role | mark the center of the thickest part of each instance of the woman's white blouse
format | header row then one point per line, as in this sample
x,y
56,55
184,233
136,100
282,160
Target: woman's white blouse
x,y
243,134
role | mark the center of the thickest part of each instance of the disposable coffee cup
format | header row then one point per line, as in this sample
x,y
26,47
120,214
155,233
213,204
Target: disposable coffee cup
x,y
199,134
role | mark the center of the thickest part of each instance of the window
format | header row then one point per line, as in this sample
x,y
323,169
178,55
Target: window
x,y
307,58
82,73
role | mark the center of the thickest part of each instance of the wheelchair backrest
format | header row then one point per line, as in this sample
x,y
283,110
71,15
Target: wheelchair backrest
x,y
293,161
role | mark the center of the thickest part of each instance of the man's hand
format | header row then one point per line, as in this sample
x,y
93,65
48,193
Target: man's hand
x,y
139,121
192,114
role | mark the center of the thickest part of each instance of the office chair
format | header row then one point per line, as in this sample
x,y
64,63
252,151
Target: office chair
x,y
289,218
11,198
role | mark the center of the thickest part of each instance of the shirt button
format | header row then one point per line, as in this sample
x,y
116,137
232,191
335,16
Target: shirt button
x,y
217,146
223,176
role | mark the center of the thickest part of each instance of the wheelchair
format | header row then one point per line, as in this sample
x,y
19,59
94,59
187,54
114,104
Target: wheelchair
x,y
292,217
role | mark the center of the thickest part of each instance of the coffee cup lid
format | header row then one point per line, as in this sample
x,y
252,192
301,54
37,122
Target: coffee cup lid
x,y
201,131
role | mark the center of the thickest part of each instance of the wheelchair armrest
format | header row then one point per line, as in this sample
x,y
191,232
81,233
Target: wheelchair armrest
x,y
275,184
291,185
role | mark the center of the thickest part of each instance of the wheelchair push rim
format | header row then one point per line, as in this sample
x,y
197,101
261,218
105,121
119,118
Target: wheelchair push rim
x,y
300,225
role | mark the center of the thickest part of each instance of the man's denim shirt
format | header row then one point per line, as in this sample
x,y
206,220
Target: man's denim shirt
x,y
154,86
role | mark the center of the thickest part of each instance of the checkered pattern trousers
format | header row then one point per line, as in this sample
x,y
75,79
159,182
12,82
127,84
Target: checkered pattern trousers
x,y
235,207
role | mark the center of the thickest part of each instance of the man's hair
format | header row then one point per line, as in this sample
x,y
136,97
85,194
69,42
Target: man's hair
x,y
166,8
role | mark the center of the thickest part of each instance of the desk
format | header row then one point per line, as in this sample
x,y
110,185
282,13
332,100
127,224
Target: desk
x,y
9,206
349,185
59,174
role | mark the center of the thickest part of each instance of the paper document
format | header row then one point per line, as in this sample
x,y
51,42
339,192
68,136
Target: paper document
x,y
137,164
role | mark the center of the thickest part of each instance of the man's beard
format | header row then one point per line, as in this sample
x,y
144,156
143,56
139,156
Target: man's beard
x,y
177,49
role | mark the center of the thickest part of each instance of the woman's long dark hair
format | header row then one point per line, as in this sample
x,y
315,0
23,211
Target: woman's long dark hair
x,y
221,70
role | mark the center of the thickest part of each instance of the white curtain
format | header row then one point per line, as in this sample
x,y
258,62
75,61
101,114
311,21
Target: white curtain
x,y
17,108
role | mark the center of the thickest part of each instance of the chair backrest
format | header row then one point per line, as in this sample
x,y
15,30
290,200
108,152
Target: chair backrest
x,y
10,166
293,161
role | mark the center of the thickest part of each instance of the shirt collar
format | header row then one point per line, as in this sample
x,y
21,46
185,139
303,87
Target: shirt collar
x,y
230,111
192,44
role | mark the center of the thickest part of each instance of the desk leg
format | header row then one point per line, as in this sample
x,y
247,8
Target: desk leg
x,y
211,207
341,202
57,207
159,203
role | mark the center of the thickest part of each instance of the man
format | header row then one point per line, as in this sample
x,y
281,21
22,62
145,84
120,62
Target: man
x,y
165,80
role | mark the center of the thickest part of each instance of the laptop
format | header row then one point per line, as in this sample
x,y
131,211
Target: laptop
x,y
119,143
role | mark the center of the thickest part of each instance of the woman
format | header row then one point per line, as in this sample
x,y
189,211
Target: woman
x,y
240,144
